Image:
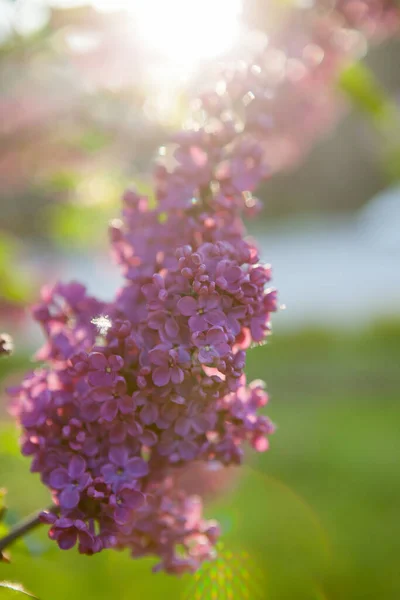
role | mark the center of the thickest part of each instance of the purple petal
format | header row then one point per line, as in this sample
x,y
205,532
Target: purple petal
x,y
101,394
198,323
171,328
149,414
69,497
182,426
90,447
118,455
126,405
90,411
109,472
135,429
233,273
161,376
170,412
80,525
233,325
85,539
84,481
216,317
148,438
64,523
115,362
59,478
257,328
177,375
187,306
166,447
67,539
200,424
118,433
187,450
137,467
122,515
156,320
109,410
238,312
215,335
223,348
120,386
101,379
76,467
97,361
132,498
159,356
211,302
177,399
183,355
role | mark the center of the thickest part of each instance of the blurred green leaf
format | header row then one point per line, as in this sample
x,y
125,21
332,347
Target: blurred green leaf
x,y
80,225
63,181
9,441
369,97
10,590
366,94
96,200
93,140
3,526
14,287
19,361
83,221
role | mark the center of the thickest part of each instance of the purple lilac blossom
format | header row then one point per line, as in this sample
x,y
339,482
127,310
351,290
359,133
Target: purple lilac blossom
x,y
119,412
113,417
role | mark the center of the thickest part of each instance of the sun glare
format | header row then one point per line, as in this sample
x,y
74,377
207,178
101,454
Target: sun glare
x,y
184,31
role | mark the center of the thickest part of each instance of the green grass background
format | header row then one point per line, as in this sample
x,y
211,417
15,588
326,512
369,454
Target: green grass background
x,y
315,518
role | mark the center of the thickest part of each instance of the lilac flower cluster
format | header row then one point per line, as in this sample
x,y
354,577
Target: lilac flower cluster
x,y
135,391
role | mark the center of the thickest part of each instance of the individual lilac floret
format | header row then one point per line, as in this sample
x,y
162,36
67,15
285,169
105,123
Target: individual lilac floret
x,y
102,370
70,482
168,363
122,469
204,311
212,345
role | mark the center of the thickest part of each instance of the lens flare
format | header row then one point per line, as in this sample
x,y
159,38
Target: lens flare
x,y
184,31
234,575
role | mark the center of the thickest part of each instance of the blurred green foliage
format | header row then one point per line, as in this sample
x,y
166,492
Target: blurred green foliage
x,y
314,518
15,287
95,200
370,98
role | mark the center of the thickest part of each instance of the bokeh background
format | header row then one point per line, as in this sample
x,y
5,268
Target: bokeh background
x,y
88,93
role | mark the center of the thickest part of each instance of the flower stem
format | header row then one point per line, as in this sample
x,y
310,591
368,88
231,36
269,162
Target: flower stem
x,y
22,528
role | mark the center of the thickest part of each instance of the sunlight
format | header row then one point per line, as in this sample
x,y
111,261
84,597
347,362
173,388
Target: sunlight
x,y
184,31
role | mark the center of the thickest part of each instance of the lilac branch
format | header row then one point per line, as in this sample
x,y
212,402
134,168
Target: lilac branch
x,y
24,527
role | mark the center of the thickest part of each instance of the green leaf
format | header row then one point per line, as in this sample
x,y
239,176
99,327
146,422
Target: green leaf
x,y
369,97
359,83
10,590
